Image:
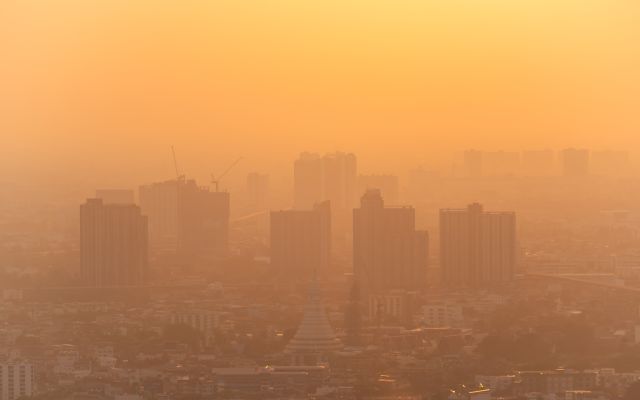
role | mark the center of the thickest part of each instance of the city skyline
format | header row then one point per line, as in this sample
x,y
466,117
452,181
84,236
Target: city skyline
x,y
334,200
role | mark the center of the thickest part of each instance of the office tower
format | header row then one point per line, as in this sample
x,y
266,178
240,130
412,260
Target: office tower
x,y
473,163
388,253
186,217
388,185
17,380
113,244
477,247
258,190
575,162
301,242
331,177
159,202
610,163
308,178
538,162
115,196
203,220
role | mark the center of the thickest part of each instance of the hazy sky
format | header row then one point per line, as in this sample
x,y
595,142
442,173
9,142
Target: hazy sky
x,y
100,87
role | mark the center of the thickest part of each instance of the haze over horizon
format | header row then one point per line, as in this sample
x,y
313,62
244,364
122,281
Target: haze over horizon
x,y
94,90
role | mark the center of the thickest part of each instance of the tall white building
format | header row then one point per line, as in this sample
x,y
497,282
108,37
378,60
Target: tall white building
x,y
16,380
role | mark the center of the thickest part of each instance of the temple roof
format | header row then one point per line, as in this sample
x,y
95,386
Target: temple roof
x,y
314,334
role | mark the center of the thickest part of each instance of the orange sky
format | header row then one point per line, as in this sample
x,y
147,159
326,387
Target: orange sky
x,y
107,86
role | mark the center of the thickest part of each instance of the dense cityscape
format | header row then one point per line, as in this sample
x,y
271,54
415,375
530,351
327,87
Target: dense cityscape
x,y
319,200
368,286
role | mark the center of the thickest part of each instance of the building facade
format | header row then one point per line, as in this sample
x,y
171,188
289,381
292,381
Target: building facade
x,y
388,252
301,242
113,244
186,217
477,247
17,380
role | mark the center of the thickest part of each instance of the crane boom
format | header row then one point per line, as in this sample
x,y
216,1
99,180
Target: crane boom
x,y
215,180
175,163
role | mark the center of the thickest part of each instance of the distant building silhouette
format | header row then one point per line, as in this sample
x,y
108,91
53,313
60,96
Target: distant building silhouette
x,y
301,242
331,177
473,163
388,253
116,196
258,190
308,175
113,244
388,185
340,170
203,218
610,163
159,202
186,217
477,247
575,162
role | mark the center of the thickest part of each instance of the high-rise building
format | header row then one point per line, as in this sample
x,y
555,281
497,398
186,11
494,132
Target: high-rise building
x,y
203,221
17,380
308,176
388,252
575,162
115,196
258,190
477,247
159,202
301,242
113,244
340,170
388,185
331,177
186,217
473,163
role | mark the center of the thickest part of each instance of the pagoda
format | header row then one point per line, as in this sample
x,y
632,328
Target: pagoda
x,y
314,340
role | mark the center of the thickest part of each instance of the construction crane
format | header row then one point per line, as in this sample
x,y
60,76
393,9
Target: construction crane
x,y
215,180
175,165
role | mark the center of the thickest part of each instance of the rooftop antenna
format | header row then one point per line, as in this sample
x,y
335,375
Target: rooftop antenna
x,y
216,181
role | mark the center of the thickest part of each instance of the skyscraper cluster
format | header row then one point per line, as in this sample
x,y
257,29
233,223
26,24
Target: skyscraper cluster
x,y
569,162
177,216
388,253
